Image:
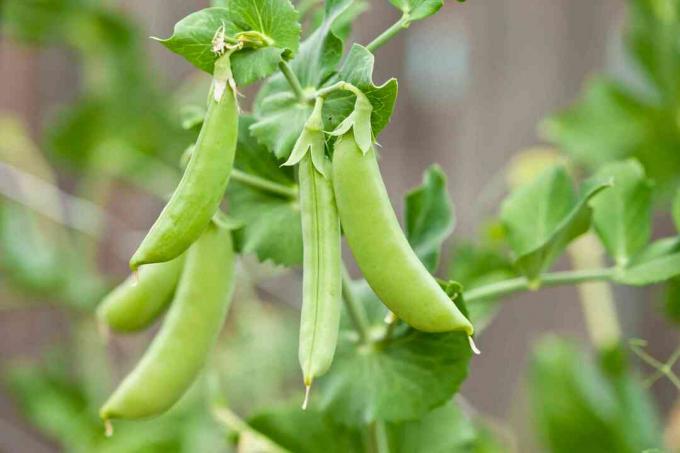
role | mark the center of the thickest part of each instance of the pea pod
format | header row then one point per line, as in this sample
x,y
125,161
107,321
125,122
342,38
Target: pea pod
x,y
137,302
187,335
202,186
322,281
380,248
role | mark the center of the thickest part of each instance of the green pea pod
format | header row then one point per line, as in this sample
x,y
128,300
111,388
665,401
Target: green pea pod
x,y
140,299
322,278
200,191
380,248
187,335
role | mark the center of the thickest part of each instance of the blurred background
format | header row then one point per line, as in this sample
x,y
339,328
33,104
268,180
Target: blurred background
x,y
89,140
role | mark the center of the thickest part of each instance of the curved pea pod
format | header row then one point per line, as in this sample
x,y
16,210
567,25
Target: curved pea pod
x,y
140,299
189,331
380,248
202,186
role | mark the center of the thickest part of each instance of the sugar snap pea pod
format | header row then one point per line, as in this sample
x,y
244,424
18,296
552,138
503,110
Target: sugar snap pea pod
x,y
140,299
380,248
187,335
322,278
202,186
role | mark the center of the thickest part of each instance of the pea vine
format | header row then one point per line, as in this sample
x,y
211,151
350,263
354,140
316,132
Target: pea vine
x,y
281,182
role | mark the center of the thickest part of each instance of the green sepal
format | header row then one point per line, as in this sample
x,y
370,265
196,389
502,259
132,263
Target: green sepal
x,y
359,120
311,139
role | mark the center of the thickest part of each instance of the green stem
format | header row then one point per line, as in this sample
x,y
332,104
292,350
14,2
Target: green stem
x,y
264,184
514,285
293,81
354,308
379,437
323,92
388,34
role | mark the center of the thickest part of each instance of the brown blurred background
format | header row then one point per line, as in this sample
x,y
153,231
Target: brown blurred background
x,y
474,81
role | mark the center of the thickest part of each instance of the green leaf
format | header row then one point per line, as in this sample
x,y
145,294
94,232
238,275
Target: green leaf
x,y
28,256
280,120
608,123
444,430
358,70
655,270
652,30
276,19
417,9
364,380
271,228
306,431
557,217
429,217
280,116
676,210
622,214
577,407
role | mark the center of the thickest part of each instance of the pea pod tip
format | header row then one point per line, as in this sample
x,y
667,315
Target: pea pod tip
x,y
473,346
305,402
108,428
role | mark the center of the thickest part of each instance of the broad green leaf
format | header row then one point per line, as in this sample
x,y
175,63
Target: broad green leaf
x,y
306,431
655,270
622,214
578,407
417,9
271,228
557,217
357,69
444,430
280,115
429,217
276,19
676,210
364,380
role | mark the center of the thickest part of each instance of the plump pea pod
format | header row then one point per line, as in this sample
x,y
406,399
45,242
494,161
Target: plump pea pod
x,y
187,335
380,248
202,186
140,299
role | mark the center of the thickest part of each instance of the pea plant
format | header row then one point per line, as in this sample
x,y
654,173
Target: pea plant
x,y
382,355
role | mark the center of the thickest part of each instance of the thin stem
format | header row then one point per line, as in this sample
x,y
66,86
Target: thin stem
x,y
293,81
264,184
388,34
514,285
379,437
323,92
354,308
